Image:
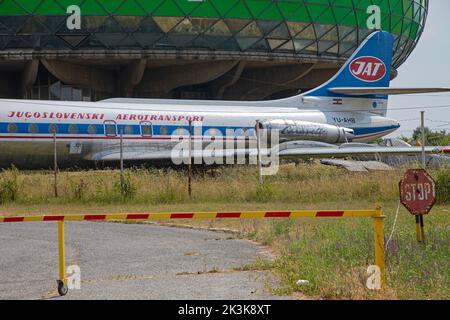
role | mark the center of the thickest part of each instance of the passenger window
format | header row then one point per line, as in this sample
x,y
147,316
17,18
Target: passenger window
x,y
163,131
33,128
73,129
92,129
240,133
213,132
230,133
53,128
180,131
12,128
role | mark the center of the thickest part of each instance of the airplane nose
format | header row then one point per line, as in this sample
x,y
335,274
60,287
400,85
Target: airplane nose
x,y
394,123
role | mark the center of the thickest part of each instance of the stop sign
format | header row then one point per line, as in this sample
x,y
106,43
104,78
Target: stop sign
x,y
418,191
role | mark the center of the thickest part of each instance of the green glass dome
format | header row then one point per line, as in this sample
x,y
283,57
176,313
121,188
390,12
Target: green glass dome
x,y
303,28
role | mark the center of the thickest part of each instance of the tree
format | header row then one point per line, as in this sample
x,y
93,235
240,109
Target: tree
x,y
432,138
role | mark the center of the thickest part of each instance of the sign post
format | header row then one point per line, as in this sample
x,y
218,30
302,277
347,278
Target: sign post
x,y
418,195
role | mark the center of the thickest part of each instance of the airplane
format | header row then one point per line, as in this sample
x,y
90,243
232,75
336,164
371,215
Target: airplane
x,y
350,107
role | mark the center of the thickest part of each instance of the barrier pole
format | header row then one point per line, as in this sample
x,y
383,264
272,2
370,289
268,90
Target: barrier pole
x,y
422,229
379,245
62,281
418,229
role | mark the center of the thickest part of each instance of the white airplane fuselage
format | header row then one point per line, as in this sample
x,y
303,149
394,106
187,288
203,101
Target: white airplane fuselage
x,y
351,106
87,128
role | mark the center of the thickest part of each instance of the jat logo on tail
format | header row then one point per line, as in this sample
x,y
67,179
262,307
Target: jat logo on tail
x,y
369,69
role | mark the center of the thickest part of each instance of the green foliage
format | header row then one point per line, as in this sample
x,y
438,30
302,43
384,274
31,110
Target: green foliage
x,y
168,195
333,255
432,138
264,193
278,230
442,178
79,189
10,183
303,183
126,186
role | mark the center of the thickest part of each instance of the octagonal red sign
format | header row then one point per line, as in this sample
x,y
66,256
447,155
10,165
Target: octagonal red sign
x,y
418,191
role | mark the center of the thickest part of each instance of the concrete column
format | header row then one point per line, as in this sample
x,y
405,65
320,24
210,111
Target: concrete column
x,y
131,76
219,86
29,75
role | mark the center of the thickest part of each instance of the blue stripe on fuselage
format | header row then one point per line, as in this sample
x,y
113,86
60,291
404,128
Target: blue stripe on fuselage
x,y
158,130
374,130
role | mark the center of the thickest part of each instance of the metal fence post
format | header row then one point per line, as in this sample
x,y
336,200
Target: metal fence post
x,y
258,141
55,165
190,161
122,175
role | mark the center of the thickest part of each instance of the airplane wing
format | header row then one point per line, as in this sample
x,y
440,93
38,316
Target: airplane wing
x,y
364,91
292,153
143,155
356,151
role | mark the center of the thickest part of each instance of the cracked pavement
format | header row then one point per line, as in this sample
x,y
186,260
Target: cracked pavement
x,y
129,261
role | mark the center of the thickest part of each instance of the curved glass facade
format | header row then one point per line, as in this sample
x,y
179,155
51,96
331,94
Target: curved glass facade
x,y
301,27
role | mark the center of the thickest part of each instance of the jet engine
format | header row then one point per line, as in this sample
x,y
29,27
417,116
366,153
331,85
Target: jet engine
x,y
294,130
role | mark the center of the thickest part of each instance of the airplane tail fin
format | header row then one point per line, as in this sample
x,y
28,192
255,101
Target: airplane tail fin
x,y
369,67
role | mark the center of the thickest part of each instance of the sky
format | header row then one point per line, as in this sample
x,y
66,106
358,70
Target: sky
x,y
428,66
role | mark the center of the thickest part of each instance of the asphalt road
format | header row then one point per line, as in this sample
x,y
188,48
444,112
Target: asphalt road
x,y
129,261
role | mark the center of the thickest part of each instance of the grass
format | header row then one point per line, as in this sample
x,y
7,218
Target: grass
x,y
333,255
295,184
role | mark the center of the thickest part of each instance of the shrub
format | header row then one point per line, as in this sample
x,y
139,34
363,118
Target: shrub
x,y
442,178
126,186
263,193
10,183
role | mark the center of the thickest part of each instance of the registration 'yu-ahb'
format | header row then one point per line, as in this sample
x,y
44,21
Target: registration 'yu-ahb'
x,y
350,107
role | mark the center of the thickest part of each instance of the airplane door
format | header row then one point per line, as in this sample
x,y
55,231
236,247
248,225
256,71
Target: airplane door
x,y
146,129
110,127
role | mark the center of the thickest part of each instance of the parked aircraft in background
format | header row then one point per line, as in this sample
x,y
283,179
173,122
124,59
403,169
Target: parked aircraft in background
x,y
350,107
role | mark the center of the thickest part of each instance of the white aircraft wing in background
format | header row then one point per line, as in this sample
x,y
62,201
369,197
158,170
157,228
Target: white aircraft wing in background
x,y
292,152
356,151
364,91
